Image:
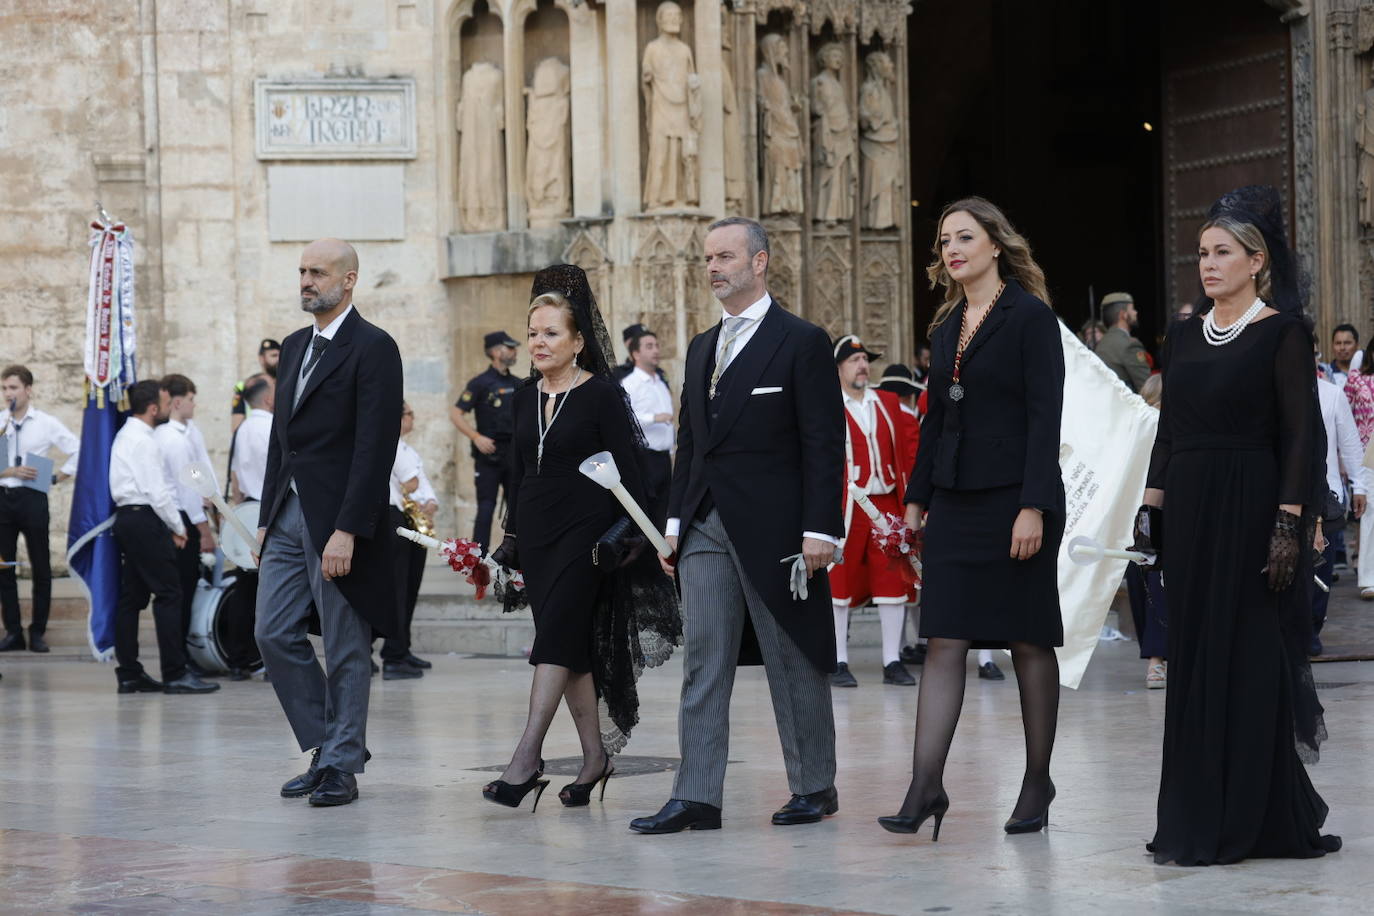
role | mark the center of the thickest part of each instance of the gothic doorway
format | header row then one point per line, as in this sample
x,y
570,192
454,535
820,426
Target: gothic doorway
x,y
1103,129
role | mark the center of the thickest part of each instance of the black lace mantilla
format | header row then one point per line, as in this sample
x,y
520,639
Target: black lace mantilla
x,y
638,621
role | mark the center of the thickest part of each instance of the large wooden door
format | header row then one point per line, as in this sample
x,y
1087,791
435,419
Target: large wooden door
x,y
1227,118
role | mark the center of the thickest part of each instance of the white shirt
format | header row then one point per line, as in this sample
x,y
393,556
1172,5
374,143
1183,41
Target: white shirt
x,y
327,332
1344,455
251,442
180,444
38,433
865,414
406,466
755,315
649,397
137,474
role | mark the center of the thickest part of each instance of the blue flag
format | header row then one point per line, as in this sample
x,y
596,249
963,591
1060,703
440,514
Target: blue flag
x,y
92,554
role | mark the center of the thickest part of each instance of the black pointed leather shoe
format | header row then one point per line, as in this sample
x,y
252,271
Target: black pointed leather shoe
x,y
305,783
37,643
415,661
189,683
808,809
400,671
678,815
309,781
141,684
336,788
13,642
896,673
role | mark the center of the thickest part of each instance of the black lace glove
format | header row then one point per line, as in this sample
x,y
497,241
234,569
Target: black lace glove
x,y
1149,533
507,555
1285,546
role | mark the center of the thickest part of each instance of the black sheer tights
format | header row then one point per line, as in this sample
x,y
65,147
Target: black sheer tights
x,y
937,713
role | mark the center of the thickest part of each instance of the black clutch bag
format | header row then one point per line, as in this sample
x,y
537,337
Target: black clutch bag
x,y
620,545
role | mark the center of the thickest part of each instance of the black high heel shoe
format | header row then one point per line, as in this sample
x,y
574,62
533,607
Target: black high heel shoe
x,y
1031,824
504,793
910,823
579,794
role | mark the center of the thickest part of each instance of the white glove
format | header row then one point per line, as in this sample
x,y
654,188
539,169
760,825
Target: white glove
x,y
797,576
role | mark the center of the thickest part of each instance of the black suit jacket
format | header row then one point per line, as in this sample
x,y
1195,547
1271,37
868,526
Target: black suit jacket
x,y
1005,430
770,460
339,444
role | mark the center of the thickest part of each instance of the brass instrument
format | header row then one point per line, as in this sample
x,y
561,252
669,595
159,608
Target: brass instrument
x,y
415,518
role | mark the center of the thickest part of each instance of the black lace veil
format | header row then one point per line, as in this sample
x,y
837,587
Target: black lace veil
x,y
1262,207
637,621
570,281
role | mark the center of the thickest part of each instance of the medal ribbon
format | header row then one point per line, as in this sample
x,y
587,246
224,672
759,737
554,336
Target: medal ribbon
x,y
965,341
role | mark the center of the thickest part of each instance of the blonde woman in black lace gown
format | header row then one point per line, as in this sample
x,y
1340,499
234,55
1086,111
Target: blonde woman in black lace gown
x,y
597,626
1238,474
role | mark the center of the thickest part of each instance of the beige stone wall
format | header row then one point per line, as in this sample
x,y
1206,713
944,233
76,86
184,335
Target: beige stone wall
x,y
70,106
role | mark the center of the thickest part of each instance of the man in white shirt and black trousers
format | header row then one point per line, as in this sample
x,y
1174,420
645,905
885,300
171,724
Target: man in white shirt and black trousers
x,y
149,531
653,407
253,436
24,510
181,443
408,481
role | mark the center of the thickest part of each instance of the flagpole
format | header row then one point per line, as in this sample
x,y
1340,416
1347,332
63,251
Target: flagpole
x,y
108,361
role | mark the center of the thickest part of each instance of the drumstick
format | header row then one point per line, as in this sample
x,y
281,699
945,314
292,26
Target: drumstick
x,y
197,476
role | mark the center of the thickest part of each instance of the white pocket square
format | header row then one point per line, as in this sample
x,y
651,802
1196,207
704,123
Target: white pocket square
x,y
766,390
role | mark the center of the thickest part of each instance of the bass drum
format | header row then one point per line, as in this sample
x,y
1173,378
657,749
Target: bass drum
x,y
235,550
222,617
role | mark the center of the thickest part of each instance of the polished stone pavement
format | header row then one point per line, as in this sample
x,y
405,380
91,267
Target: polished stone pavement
x,y
168,804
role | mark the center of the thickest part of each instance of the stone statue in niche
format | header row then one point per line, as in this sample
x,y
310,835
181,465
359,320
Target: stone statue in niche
x,y
734,135
779,134
1364,137
547,179
879,157
672,104
832,140
480,118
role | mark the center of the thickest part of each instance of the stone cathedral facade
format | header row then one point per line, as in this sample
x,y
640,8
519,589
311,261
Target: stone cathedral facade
x,y
464,144
461,145
611,134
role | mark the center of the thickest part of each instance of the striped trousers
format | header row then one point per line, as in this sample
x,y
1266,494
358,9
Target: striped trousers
x,y
716,597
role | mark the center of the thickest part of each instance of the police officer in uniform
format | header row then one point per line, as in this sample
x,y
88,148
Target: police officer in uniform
x,y
1122,353
488,396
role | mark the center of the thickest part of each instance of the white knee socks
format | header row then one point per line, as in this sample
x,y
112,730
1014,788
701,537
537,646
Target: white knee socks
x,y
842,633
892,616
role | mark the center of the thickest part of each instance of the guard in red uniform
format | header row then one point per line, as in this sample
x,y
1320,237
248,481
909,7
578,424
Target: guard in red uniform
x,y
880,450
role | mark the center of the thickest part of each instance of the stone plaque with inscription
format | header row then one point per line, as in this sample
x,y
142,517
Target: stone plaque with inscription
x,y
335,119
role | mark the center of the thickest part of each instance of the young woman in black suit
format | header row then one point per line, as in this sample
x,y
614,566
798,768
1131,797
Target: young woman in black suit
x,y
988,490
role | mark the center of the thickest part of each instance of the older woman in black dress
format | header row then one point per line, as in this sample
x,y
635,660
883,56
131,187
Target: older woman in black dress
x,y
987,483
595,628
1238,475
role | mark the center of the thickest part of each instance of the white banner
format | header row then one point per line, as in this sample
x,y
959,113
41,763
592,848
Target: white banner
x,y
1104,453
109,352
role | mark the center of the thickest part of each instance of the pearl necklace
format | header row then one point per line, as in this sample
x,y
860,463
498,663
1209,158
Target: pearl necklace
x,y
1219,337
